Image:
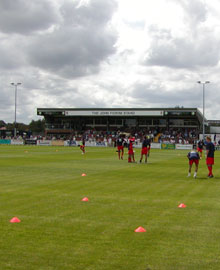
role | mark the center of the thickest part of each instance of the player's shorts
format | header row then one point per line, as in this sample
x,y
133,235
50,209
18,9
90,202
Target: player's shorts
x,y
199,150
196,161
130,152
82,147
120,148
144,151
210,161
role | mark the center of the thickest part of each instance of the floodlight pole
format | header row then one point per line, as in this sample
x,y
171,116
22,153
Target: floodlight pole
x,y
203,94
16,87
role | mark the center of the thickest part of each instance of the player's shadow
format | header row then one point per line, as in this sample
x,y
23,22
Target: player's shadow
x,y
207,178
202,178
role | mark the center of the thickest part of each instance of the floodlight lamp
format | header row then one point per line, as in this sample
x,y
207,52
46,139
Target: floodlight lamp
x,y
203,82
16,84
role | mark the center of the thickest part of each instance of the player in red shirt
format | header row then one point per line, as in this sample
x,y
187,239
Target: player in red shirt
x,y
130,150
120,146
82,146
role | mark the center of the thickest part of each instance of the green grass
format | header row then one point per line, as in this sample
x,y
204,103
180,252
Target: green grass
x,y
43,187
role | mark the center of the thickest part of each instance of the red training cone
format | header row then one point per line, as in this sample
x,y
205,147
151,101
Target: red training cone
x,y
85,199
15,220
83,174
140,229
182,205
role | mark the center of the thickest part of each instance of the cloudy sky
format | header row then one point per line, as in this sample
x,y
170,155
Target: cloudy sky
x,y
108,53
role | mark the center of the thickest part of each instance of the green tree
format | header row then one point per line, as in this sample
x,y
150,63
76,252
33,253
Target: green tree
x,y
21,126
37,126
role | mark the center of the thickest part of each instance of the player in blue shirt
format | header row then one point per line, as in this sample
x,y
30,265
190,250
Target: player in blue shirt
x,y
210,150
144,150
148,146
193,157
120,146
200,145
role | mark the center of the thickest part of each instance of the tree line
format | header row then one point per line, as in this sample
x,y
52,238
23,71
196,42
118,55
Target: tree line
x,y
37,126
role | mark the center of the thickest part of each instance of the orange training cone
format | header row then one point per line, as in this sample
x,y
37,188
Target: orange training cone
x,y
83,174
85,199
140,229
182,205
15,220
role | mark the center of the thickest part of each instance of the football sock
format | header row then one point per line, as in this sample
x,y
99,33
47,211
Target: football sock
x,y
210,170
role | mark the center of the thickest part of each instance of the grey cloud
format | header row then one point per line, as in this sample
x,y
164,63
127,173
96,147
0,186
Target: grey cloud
x,y
6,99
70,98
191,52
96,13
198,46
159,96
196,11
84,102
12,56
76,49
71,53
24,17
9,60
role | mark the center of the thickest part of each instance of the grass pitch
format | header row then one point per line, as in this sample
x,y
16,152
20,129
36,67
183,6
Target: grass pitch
x,y
43,187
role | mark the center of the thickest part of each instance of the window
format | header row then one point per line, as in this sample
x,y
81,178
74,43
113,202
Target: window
x,y
190,123
100,121
145,122
148,122
115,121
118,121
89,121
131,122
177,122
162,122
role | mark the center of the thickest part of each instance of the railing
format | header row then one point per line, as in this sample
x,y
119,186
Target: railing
x,y
48,126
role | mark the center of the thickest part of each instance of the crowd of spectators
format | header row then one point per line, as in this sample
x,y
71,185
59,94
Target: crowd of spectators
x,y
182,136
174,136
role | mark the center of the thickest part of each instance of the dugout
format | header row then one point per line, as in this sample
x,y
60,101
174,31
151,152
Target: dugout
x,y
65,121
